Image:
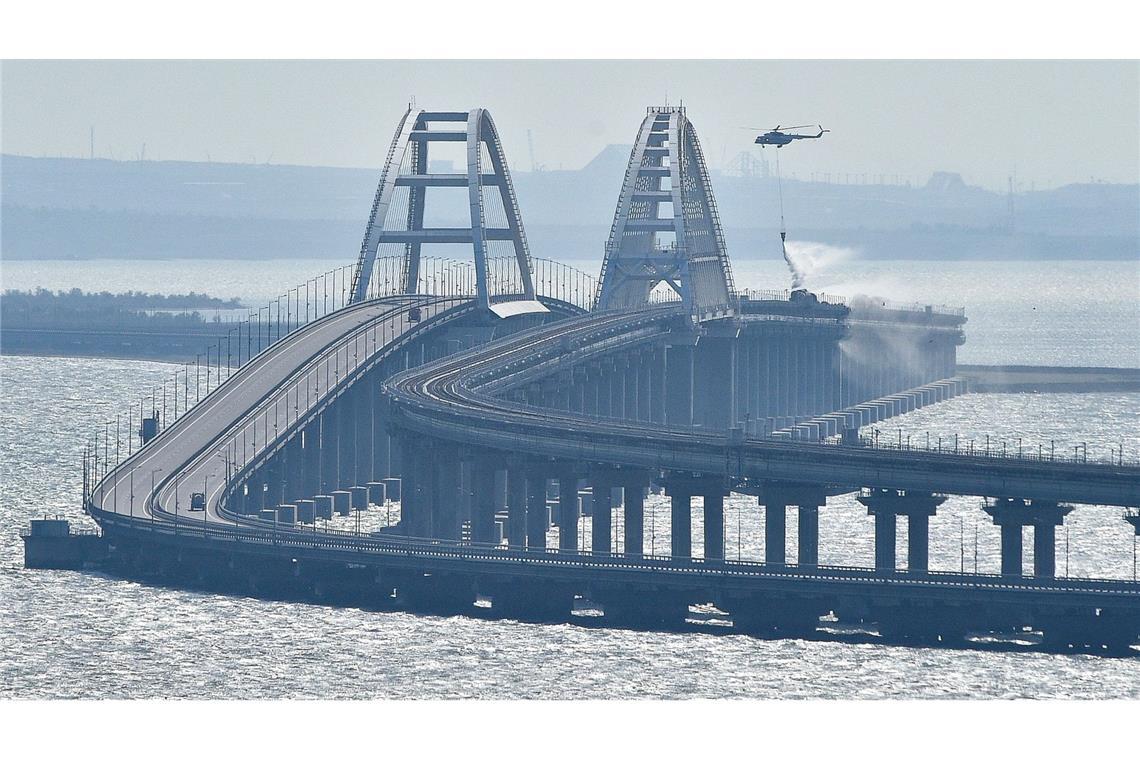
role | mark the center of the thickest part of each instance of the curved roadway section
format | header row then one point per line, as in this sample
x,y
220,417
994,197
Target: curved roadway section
x,y
245,417
456,399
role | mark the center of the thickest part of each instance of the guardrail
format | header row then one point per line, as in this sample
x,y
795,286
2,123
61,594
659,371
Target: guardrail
x,y
995,448
318,538
268,325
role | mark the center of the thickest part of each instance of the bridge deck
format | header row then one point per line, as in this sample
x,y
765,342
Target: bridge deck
x,y
251,411
451,399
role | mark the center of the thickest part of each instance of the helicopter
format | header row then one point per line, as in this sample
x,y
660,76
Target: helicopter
x,y
780,138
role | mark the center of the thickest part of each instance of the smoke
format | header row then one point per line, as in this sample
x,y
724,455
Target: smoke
x,y
798,278
807,260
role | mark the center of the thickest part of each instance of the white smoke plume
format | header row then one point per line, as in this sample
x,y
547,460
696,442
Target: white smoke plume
x,y
807,259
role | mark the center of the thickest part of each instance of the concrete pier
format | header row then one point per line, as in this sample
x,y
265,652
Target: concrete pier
x,y
601,528
483,506
324,506
775,530
306,511
885,505
1011,515
714,525
536,515
377,493
342,502
681,531
51,544
634,498
516,506
808,533
568,510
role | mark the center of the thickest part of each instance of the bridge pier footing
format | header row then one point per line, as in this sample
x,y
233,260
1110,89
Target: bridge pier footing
x,y
436,594
775,615
643,609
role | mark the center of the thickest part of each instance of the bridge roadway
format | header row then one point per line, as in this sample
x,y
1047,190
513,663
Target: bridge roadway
x,y
255,408
453,399
280,388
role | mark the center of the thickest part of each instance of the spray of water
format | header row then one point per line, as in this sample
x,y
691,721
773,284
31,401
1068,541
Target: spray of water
x,y
807,259
799,279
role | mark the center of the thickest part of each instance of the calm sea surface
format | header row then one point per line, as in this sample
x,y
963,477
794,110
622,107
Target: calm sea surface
x,y
72,634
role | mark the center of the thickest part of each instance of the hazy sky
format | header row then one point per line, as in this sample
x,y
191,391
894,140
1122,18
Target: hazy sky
x,y
1051,122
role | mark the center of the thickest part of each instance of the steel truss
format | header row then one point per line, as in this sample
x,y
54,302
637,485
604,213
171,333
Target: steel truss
x,y
650,244
397,215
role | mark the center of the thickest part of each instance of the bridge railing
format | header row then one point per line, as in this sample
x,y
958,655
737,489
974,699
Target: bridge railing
x,y
997,448
245,339
762,294
322,536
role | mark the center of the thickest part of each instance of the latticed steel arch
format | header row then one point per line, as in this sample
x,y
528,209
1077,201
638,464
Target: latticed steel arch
x,y
397,215
681,244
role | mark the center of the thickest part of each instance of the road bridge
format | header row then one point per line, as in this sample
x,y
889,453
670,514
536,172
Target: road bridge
x,y
483,399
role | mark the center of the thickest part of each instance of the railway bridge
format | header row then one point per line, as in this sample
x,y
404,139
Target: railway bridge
x,y
499,406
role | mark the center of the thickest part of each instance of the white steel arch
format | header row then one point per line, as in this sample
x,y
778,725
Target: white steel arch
x,y
399,217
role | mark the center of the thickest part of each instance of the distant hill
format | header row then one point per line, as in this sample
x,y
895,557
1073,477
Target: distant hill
x,y
75,208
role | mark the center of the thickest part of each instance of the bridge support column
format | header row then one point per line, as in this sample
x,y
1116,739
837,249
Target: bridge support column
x,y
776,495
1044,550
1011,515
605,388
415,491
311,459
885,530
918,541
568,510
516,506
714,525
681,488
634,499
885,505
657,384
681,529
294,482
601,529
445,505
714,390
679,386
325,457
775,530
809,534
483,499
536,517
645,386
631,407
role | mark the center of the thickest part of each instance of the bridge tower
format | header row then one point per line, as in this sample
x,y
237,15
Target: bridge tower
x,y
666,228
504,282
